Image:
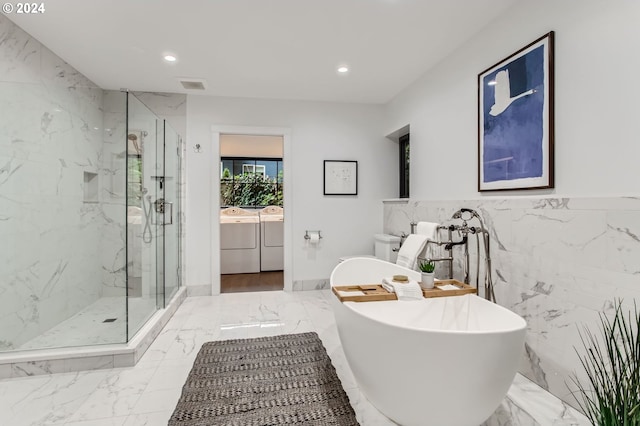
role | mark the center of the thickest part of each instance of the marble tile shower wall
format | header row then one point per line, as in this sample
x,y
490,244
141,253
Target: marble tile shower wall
x,y
557,262
52,214
113,255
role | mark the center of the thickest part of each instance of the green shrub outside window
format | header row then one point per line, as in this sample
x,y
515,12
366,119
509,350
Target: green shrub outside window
x,y
256,183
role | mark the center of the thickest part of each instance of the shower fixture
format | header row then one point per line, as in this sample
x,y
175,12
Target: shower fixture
x,y
465,215
464,230
164,211
134,140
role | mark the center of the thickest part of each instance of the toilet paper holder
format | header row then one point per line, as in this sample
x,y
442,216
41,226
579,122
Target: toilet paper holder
x,y
307,235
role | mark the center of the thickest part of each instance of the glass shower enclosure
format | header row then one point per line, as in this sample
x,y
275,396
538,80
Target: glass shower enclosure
x,y
89,208
153,229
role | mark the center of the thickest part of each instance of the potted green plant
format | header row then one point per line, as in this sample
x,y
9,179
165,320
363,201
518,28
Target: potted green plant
x,y
426,268
611,394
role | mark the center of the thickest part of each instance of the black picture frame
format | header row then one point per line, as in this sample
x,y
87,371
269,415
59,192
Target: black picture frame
x,y
340,177
516,120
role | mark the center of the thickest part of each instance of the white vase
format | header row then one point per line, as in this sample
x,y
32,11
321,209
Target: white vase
x,y
426,280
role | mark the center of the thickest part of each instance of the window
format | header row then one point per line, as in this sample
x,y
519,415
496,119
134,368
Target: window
x,y
404,166
250,182
254,168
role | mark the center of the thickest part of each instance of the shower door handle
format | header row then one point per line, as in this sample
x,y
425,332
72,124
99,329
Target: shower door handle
x,y
168,210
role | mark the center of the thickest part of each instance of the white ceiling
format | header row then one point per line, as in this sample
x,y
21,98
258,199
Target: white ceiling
x,y
282,49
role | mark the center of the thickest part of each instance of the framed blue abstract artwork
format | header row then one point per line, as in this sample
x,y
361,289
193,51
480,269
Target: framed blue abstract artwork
x,y
515,120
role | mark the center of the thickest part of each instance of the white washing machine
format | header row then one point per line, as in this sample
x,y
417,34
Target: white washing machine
x,y
272,239
239,241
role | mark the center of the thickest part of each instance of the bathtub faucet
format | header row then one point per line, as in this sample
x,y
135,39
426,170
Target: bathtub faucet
x,y
481,232
450,244
437,259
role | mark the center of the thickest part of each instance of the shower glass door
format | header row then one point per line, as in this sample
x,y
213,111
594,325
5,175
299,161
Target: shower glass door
x,y
153,195
171,220
166,208
144,135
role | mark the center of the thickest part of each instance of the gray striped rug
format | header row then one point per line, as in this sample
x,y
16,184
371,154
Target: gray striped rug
x,y
279,380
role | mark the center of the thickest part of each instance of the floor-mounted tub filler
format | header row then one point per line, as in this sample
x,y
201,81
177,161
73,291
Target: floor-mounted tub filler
x,y
436,361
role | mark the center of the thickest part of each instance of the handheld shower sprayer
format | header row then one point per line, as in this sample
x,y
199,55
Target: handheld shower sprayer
x,y
146,233
466,214
472,214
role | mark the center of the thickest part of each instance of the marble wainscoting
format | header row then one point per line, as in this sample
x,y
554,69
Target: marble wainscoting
x,y
306,285
558,262
51,218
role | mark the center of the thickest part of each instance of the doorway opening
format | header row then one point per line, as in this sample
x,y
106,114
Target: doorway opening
x,y
251,213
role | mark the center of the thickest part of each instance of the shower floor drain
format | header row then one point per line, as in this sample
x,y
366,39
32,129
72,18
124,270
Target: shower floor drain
x,y
110,320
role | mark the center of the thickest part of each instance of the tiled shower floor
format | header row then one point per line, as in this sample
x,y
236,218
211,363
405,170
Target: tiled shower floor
x,y
87,327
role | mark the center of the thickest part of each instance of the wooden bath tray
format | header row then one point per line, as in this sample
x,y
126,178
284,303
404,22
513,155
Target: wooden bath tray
x,y
372,293
375,292
437,292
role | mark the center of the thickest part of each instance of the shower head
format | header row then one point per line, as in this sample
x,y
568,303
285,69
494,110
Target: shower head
x,y
134,141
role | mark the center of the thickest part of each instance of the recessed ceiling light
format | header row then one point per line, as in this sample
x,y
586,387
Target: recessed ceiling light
x,y
170,58
342,69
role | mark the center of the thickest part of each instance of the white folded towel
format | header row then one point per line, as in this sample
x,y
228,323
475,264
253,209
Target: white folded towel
x,y
448,287
429,229
404,291
410,250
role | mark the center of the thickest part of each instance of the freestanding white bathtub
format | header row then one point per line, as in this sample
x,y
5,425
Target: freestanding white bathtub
x,y
446,361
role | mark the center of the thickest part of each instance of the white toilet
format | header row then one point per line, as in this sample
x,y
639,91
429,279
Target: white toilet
x,y
383,248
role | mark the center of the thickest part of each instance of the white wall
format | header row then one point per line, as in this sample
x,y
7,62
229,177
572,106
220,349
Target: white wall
x,y
596,93
319,131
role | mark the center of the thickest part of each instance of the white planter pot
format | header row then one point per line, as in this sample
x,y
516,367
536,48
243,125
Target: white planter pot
x,y
426,280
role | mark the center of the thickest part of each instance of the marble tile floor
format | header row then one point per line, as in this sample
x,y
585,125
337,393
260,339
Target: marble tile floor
x,y
87,327
147,393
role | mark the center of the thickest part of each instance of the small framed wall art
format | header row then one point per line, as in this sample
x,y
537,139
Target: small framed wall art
x,y
340,177
515,120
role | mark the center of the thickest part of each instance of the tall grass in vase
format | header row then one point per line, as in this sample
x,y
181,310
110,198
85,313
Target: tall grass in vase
x,y
611,361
